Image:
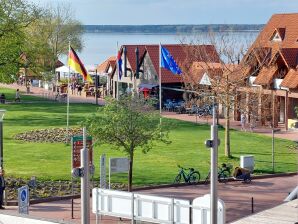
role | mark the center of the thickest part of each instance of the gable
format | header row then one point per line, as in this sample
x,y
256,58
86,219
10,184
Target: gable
x,y
276,37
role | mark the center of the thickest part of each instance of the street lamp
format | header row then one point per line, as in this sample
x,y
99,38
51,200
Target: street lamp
x,y
2,112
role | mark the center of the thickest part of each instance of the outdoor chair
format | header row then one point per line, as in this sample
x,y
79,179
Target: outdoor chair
x,y
169,106
180,108
193,110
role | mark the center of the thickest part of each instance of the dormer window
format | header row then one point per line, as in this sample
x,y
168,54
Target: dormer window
x,y
276,37
278,34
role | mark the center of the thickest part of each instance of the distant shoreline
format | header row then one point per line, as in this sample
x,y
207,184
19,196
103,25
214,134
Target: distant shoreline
x,y
171,29
143,33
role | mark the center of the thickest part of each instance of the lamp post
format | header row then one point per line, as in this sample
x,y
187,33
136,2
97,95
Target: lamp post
x,y
2,112
96,87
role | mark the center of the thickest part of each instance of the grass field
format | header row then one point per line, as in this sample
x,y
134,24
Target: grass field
x,y
52,160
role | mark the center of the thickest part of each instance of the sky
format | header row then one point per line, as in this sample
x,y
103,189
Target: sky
x,y
153,12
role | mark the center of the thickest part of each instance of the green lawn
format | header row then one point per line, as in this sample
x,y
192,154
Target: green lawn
x,y
52,160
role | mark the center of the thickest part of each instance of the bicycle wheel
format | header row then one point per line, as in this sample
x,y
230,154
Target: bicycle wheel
x,y
194,177
177,179
223,176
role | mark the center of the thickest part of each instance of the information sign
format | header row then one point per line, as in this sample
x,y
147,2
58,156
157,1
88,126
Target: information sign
x,y
77,145
23,200
119,165
103,171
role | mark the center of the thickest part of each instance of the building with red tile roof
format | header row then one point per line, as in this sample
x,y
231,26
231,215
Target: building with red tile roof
x,y
147,71
275,70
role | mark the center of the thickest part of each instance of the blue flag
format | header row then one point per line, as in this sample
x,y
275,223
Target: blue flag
x,y
167,61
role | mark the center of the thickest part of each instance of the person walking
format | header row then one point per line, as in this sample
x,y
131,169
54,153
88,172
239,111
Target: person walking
x,y
243,122
17,98
2,187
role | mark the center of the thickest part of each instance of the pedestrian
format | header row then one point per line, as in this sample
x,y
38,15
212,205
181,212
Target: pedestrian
x,y
252,123
2,187
18,98
73,86
80,89
243,122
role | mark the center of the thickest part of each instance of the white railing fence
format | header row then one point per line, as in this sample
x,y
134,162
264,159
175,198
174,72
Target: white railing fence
x,y
140,207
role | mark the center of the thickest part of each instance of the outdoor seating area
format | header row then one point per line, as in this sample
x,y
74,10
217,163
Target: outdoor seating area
x,y
181,107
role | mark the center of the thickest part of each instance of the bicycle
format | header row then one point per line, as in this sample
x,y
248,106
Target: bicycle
x,y
224,172
192,177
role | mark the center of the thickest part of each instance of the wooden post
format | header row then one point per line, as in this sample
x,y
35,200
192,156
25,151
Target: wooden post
x,y
286,109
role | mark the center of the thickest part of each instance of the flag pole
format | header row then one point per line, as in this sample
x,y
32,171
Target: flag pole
x,y
117,87
67,113
67,131
160,102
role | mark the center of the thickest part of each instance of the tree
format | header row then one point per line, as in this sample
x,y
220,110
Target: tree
x,y
50,36
225,77
15,16
128,124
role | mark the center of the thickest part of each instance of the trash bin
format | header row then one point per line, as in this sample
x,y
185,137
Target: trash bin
x,y
247,162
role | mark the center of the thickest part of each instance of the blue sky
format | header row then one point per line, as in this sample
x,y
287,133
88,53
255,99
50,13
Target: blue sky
x,y
139,12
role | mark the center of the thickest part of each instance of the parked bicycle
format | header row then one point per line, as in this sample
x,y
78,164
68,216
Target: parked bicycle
x,y
192,176
224,172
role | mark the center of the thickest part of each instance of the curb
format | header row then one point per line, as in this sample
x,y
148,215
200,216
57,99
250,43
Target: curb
x,y
42,200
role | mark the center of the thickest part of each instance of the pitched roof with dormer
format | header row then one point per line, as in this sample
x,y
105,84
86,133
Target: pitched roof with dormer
x,y
280,35
179,54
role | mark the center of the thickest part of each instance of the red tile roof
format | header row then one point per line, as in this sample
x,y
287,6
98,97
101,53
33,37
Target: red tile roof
x,y
291,79
103,67
131,54
285,25
179,54
266,75
284,51
290,56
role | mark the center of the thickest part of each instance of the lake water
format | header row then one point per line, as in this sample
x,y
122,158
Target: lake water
x,y
99,46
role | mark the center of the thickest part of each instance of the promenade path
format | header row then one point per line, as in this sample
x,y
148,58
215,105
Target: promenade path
x,y
36,91
267,193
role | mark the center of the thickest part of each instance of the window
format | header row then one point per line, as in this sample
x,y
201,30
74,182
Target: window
x,y
276,37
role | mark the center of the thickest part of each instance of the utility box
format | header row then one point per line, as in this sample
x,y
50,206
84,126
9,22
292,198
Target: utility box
x,y
247,162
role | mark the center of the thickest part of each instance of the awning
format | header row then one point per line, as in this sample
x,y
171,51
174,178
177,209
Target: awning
x,y
147,86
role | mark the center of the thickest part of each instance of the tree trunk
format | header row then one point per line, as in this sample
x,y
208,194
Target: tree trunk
x,y
130,170
227,128
227,136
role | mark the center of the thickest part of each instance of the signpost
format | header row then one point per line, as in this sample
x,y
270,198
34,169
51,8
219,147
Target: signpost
x,y
77,145
23,200
117,165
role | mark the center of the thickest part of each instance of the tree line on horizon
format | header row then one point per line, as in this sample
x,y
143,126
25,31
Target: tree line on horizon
x,y
172,29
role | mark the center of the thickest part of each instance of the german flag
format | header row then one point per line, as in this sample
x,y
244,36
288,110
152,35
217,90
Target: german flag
x,y
75,63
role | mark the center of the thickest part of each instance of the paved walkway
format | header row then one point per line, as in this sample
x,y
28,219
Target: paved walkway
x,y
267,193
41,92
290,135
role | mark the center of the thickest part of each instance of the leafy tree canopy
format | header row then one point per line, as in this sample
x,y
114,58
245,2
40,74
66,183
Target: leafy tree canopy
x,y
128,124
15,16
